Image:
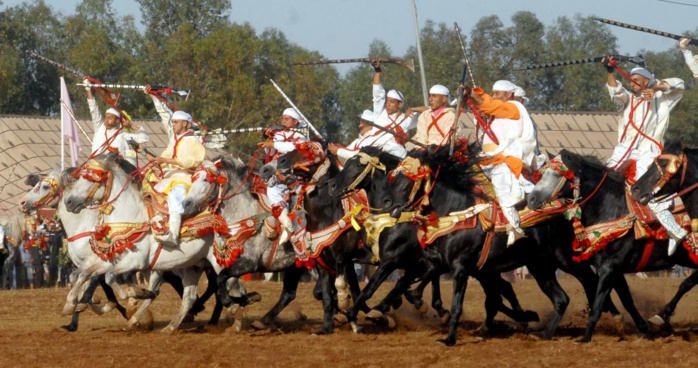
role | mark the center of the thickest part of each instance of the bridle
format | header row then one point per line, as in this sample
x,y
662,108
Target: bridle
x,y
418,173
371,164
217,181
566,175
53,194
674,162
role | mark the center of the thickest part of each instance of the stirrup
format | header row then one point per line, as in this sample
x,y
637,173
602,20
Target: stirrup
x,y
513,236
167,239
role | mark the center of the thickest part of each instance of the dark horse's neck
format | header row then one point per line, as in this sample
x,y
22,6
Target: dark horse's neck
x,y
322,210
602,194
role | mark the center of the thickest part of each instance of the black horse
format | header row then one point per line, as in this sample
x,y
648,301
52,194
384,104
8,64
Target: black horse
x,y
604,201
355,176
453,190
674,171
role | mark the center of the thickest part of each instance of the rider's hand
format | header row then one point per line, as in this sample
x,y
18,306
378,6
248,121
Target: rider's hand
x,y
86,81
148,89
376,64
609,62
683,43
332,148
266,144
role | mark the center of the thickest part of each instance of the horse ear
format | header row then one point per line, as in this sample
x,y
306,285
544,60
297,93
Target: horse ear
x,y
550,155
67,177
32,179
112,157
571,160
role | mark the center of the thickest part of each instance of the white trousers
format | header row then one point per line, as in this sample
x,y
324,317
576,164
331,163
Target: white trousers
x,y
507,187
643,159
175,199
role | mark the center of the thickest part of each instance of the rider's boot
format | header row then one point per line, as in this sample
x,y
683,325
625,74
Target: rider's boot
x,y
172,237
666,218
515,232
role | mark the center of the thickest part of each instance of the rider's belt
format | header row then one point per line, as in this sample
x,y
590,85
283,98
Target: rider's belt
x,y
515,164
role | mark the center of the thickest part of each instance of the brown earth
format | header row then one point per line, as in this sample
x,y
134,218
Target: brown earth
x,y
30,337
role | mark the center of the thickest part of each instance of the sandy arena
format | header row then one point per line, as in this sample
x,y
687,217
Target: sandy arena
x,y
30,336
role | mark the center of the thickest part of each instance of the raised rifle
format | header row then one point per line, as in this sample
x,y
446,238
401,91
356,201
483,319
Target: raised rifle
x,y
645,29
405,63
153,89
638,60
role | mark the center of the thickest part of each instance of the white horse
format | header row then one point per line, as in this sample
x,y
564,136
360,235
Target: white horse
x,y
112,201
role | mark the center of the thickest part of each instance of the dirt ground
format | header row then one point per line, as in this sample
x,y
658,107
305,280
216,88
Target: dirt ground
x,y
30,336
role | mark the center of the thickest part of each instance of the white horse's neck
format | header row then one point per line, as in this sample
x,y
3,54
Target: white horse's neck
x,y
128,204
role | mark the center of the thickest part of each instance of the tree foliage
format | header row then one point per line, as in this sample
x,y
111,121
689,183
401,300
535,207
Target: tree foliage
x,y
227,67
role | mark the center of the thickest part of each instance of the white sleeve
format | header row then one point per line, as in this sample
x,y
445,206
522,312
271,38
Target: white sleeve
x,y
97,120
344,154
378,99
691,62
284,147
165,115
619,95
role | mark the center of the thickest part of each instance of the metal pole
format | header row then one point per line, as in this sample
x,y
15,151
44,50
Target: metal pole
x,y
419,55
312,127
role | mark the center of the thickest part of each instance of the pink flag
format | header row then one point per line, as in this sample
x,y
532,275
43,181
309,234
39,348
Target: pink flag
x,y
68,124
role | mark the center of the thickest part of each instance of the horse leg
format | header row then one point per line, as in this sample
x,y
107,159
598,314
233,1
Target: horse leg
x,y
377,314
547,281
112,302
384,270
607,278
292,276
662,318
517,313
71,299
86,298
353,283
328,303
460,284
589,281
626,298
154,282
190,280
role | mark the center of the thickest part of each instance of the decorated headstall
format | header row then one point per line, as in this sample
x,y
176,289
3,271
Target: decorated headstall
x,y
211,173
371,164
313,154
566,174
50,196
673,164
94,172
414,170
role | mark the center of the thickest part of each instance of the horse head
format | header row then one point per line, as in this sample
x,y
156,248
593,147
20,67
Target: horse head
x,y
367,170
93,183
211,183
661,179
557,181
46,190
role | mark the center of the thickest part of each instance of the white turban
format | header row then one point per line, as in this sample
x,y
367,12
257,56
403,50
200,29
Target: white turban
x,y
114,112
645,73
439,89
292,113
396,95
367,115
504,86
520,93
181,115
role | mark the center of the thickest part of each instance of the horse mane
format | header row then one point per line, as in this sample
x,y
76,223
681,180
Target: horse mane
x,y
388,159
457,171
595,163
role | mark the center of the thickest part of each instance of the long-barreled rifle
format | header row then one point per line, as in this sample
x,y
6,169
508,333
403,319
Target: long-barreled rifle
x,y
216,138
644,29
638,60
396,134
406,63
153,89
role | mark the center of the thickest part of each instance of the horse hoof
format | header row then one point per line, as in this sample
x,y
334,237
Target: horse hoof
x,y
96,300
446,342
300,316
169,329
583,340
134,292
81,307
618,322
374,314
391,322
237,325
423,309
356,328
189,318
323,332
657,320
68,328
110,306
340,319
254,297
444,318
68,309
259,325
